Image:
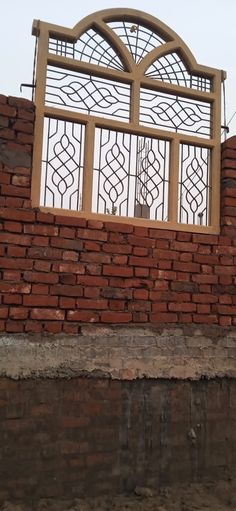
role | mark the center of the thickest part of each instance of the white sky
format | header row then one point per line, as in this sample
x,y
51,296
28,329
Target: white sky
x,y
208,27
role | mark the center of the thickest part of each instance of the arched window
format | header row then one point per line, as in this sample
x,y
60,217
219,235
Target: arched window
x,y
127,124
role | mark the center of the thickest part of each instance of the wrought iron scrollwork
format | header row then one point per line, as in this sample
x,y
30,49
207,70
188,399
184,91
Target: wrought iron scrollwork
x,y
130,175
62,164
175,113
83,92
138,39
171,68
91,47
194,186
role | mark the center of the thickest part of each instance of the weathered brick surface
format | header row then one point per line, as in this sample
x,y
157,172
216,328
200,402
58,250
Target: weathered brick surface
x,y
88,436
107,271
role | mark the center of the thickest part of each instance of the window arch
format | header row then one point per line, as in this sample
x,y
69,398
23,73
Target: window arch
x,y
127,123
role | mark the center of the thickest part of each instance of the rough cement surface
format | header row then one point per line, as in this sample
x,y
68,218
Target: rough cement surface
x,y
219,496
119,352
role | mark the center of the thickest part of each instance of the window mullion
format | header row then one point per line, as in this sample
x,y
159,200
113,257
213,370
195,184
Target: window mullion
x,y
174,181
88,166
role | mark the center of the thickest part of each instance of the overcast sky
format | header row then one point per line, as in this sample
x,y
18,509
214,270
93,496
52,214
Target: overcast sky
x,y
208,27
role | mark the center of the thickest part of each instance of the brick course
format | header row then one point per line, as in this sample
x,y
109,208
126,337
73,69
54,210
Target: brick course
x,y
91,270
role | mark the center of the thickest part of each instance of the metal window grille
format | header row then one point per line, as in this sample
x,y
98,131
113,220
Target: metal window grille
x,y
127,124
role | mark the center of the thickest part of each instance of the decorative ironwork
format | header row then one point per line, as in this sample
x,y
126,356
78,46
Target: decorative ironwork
x,y
90,47
62,164
82,92
138,39
122,92
130,175
175,113
171,68
194,186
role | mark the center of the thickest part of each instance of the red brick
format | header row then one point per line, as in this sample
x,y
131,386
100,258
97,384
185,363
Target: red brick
x,y
182,307
8,111
24,126
70,328
116,317
141,272
12,275
4,178
40,241
24,138
205,279
17,215
204,298
149,262
66,302
186,257
91,304
186,267
95,257
117,293
40,289
141,231
42,230
7,133
225,321
184,246
169,255
163,317
54,327
94,246
12,299
83,316
18,313
225,270
92,280
116,305
120,259
203,308
15,239
165,265
184,236
42,266
13,226
115,248
92,234
139,306
162,234
33,326
67,232
44,253
21,180
95,224
140,251
7,287
119,271
47,314
16,251
164,274
207,318
14,326
139,317
70,220
118,227
20,264
209,239
91,292
226,310
15,191
40,301
159,307
70,255
46,218
71,267
3,312
141,242
141,294
66,290
45,278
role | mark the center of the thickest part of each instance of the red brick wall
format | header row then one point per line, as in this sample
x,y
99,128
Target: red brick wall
x,y
85,436
57,272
